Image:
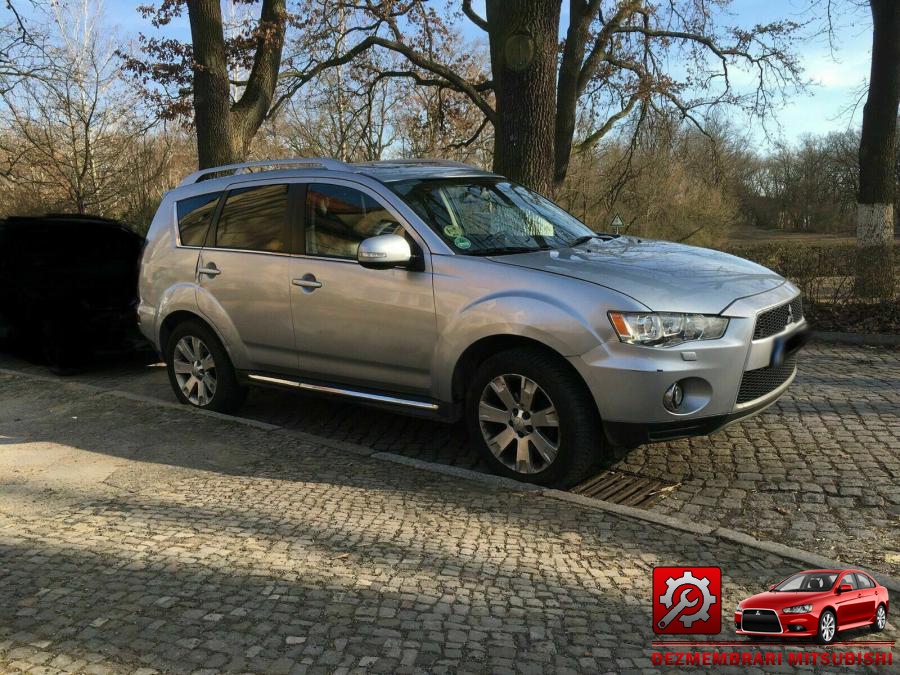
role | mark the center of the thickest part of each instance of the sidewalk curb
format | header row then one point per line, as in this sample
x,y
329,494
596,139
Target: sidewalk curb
x,y
695,528
813,560
866,339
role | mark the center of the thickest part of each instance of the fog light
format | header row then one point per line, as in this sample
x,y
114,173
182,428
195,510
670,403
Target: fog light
x,y
794,627
674,397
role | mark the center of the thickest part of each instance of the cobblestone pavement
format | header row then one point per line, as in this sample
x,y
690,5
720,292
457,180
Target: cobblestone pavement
x,y
140,538
820,470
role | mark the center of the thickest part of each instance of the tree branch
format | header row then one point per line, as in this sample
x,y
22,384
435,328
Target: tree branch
x,y
595,136
470,12
455,81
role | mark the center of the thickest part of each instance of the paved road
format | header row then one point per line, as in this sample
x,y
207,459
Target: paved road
x,y
819,471
140,538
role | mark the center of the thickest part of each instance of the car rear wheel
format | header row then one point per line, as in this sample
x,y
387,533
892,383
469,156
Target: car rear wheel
x,y
880,619
200,371
827,628
533,419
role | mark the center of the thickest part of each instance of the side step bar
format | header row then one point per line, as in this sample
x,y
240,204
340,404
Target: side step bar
x,y
366,396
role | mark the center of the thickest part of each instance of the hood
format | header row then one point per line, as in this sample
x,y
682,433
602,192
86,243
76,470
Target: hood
x,y
665,277
781,599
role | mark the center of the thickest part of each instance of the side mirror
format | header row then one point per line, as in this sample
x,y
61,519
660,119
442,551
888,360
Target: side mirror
x,y
772,587
383,252
845,588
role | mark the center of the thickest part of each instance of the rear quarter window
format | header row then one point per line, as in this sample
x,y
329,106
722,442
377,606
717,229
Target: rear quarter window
x,y
194,217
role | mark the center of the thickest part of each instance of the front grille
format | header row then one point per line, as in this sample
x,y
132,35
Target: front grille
x,y
760,621
757,383
773,321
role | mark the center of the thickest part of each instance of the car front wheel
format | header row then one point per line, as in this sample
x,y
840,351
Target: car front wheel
x,y
533,419
827,628
200,371
880,619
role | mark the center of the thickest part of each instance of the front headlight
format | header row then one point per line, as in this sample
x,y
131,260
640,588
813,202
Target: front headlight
x,y
739,609
666,329
797,609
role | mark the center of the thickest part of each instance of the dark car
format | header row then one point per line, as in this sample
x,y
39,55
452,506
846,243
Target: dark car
x,y
815,603
68,286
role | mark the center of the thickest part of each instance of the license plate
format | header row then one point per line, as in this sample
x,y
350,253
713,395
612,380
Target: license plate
x,y
786,345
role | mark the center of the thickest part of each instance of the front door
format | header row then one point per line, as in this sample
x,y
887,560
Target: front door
x,y
369,328
244,276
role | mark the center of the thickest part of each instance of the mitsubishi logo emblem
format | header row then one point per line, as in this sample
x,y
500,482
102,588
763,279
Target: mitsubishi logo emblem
x,y
757,612
790,318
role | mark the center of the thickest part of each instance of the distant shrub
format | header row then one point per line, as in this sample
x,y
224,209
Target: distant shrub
x,y
825,275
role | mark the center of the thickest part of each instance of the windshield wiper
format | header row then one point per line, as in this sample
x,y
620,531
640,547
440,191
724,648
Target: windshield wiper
x,y
586,238
507,250
583,240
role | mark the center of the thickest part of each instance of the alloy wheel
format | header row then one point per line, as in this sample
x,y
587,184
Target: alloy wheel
x,y
195,370
827,627
519,423
881,618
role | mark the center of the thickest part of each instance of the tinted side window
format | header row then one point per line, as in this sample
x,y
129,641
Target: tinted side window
x,y
338,218
849,579
864,581
194,217
255,219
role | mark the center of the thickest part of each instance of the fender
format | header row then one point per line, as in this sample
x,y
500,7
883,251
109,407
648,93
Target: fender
x,y
525,313
216,316
176,298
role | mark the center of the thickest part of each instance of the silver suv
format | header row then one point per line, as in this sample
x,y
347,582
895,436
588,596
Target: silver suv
x,y
437,289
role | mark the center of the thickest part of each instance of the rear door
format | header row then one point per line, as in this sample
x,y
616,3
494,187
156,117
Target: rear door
x,y
868,597
370,328
243,274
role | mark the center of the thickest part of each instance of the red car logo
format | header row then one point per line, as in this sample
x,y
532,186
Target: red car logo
x,y
815,603
687,600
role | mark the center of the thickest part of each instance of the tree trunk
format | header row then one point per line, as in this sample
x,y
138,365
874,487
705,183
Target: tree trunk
x,y
224,131
216,142
523,40
877,157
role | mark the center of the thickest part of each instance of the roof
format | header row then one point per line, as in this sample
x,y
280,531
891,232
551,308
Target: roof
x,y
384,170
393,170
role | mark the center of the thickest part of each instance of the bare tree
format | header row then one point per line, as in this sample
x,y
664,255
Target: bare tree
x,y
539,91
18,47
878,156
66,129
230,79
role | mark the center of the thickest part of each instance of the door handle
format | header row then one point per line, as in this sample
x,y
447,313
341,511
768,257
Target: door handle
x,y
304,282
211,271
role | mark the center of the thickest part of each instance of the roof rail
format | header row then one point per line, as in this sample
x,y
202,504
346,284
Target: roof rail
x,y
423,161
313,162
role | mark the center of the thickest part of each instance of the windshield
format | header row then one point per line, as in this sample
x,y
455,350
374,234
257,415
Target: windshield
x,y
491,216
816,581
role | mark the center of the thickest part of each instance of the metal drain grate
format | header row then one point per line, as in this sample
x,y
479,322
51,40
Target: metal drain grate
x,y
622,487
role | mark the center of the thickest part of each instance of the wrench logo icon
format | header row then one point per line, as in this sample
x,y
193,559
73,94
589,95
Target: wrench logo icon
x,y
688,599
684,603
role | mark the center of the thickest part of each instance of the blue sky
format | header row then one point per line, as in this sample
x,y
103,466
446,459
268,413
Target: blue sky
x,y
836,76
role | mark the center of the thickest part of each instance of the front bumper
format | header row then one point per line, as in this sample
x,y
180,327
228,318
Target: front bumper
x,y
632,434
792,625
724,380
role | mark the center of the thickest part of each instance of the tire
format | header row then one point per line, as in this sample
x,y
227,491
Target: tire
x,y
560,453
880,619
208,381
827,628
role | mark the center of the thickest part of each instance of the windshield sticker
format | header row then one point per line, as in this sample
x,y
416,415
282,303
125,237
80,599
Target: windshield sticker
x,y
462,242
453,231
